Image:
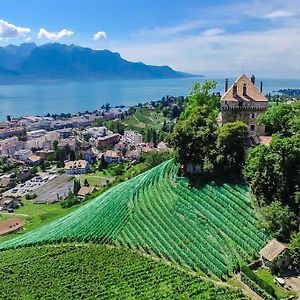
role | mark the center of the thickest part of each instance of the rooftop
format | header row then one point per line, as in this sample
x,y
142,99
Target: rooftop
x,y
251,94
272,250
76,164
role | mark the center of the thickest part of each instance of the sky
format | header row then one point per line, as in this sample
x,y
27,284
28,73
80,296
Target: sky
x,y
209,37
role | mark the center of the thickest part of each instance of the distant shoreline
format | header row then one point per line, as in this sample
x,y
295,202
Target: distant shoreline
x,y
13,81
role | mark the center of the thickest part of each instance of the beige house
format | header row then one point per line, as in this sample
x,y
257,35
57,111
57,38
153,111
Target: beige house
x,y
244,102
77,167
274,254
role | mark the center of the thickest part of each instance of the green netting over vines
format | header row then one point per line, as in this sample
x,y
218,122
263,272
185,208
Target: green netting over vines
x,y
209,228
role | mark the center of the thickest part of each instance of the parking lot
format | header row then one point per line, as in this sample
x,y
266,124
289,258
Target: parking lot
x,y
55,189
30,185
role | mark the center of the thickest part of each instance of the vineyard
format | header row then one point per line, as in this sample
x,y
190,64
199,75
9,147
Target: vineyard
x,y
97,272
209,229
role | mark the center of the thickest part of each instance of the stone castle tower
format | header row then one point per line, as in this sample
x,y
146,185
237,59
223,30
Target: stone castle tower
x,y
244,102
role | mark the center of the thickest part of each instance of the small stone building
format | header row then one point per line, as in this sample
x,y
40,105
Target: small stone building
x,y
244,102
274,254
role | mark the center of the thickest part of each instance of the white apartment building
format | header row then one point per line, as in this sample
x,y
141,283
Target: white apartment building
x,y
133,137
41,139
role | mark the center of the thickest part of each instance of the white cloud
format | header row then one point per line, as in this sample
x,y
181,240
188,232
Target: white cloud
x,y
213,31
274,54
8,30
54,36
279,14
100,35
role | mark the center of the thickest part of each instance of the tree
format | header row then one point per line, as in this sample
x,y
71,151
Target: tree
x,y
55,145
34,170
282,118
60,158
153,159
77,186
200,95
279,220
273,172
43,165
230,147
102,164
294,248
72,155
154,137
194,138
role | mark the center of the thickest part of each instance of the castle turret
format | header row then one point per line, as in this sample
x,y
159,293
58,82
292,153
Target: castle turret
x,y
244,102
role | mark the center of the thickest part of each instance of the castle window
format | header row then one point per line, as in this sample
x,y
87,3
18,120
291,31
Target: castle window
x,y
252,116
252,127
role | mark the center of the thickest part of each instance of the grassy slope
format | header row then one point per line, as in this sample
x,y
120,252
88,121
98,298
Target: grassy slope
x,y
98,272
144,118
208,229
281,293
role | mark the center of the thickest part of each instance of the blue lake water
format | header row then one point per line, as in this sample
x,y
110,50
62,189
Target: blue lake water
x,y
43,98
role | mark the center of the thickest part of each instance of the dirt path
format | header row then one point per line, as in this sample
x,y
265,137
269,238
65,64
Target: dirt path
x,y
246,289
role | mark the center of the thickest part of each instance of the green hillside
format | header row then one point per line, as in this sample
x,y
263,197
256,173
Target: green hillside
x,y
208,229
97,272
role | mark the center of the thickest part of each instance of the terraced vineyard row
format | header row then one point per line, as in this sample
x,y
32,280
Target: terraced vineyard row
x,y
97,272
208,229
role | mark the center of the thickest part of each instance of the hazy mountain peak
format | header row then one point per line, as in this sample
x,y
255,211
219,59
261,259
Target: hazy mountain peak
x,y
60,61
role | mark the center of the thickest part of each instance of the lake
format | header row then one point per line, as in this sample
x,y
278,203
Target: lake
x,y
42,98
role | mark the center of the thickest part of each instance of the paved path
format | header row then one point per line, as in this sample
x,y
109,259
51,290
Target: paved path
x,y
15,214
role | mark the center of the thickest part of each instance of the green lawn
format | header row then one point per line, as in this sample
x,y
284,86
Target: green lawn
x,y
266,275
40,214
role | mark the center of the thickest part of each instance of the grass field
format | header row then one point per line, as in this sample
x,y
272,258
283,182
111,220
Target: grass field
x,y
209,229
266,276
98,272
38,215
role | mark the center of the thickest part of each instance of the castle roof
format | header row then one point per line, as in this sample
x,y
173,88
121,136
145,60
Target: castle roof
x,y
252,93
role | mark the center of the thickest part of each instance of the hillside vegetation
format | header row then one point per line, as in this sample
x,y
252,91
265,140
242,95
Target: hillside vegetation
x,y
208,229
97,272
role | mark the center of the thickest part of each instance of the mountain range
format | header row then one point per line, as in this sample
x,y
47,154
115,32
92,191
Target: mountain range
x,y
56,61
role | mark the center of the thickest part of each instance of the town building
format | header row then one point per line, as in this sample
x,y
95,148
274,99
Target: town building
x,y
274,254
11,131
5,182
44,154
133,138
23,154
85,190
41,139
70,142
244,102
108,140
77,167
34,160
96,132
10,145
86,152
111,156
